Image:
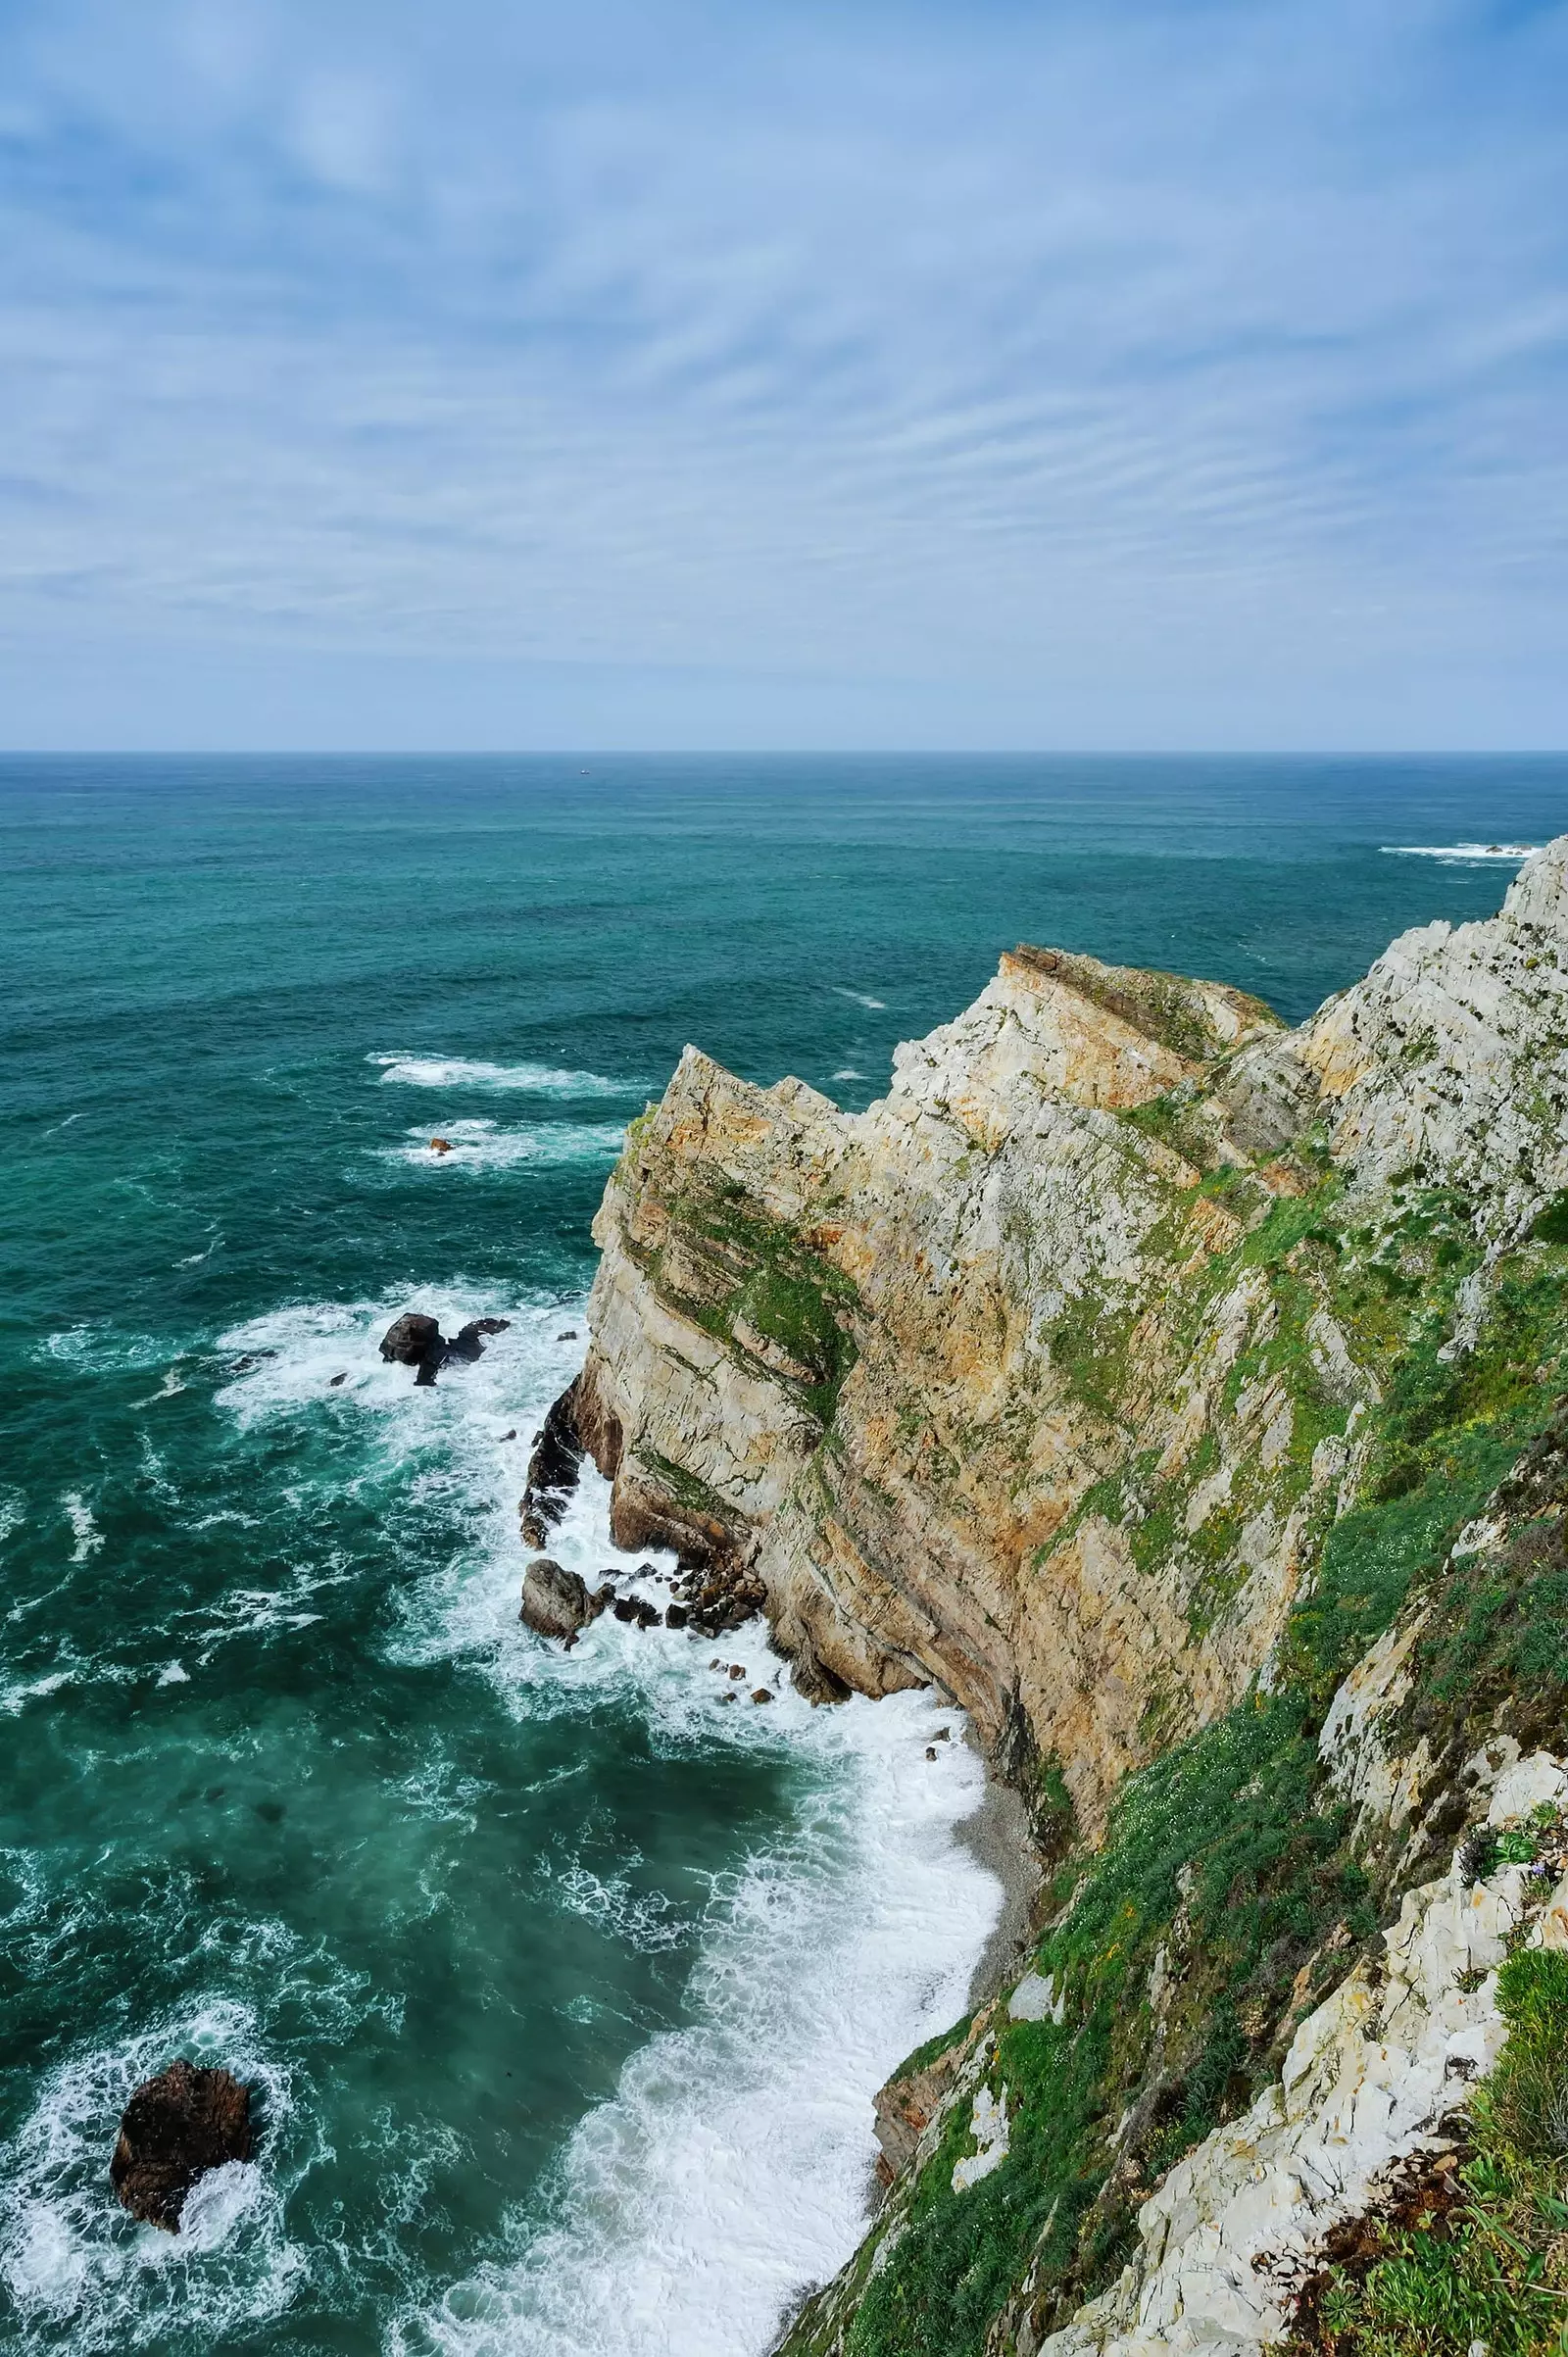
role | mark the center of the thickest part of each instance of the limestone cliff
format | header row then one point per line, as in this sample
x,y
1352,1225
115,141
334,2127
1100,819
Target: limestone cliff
x,y
1036,1379
1182,1394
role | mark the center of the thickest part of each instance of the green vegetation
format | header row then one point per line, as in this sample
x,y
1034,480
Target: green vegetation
x,y
732,1265
1479,2254
1227,1883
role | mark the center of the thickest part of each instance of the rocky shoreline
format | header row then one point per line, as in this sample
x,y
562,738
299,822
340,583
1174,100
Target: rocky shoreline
x,y
1148,1378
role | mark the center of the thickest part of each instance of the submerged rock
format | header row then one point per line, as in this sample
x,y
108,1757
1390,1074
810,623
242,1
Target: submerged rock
x,y
174,2130
555,1601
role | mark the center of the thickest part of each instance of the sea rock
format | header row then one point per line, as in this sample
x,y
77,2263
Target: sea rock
x,y
413,1340
468,1342
553,1469
555,1601
174,2130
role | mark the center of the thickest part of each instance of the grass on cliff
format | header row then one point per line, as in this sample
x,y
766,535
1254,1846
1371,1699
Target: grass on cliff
x,y
1229,1864
740,1267
1484,2259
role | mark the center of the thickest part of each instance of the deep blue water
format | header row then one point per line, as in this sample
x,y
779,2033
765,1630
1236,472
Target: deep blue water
x,y
563,1990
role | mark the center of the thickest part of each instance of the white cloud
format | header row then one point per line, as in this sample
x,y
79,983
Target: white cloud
x,y
1127,361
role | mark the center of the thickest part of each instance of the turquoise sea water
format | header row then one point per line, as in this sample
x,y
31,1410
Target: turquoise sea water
x,y
563,1986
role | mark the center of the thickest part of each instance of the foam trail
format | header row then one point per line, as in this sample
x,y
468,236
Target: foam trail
x,y
465,1072
485,1146
733,2162
861,997
88,1537
1456,854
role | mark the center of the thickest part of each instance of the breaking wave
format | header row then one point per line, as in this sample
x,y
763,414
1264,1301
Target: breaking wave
x,y
467,1072
1464,854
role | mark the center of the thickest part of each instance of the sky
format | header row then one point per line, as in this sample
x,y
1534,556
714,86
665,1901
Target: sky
x,y
1123,375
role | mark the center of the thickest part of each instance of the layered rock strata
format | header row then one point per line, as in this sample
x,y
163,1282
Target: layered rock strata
x,y
1000,1384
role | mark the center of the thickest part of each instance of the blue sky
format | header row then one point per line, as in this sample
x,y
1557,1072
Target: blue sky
x,y
676,375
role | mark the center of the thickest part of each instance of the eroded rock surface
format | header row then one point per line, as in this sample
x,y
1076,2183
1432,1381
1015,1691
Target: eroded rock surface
x,y
988,1385
175,2128
415,1340
556,1603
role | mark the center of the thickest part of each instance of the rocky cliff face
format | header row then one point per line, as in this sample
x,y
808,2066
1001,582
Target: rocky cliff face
x,y
1040,1378
1183,1395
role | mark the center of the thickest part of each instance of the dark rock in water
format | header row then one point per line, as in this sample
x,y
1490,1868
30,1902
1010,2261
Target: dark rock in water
x,y
648,1615
337,1379
600,1599
554,1465
534,1528
557,1459
676,1617
570,1336
415,1340
555,1601
412,1338
624,1608
174,2130
468,1343
763,1696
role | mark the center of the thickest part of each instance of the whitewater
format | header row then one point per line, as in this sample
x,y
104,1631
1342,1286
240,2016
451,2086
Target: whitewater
x,y
564,1984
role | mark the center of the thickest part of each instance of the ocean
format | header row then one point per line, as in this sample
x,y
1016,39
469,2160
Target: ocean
x,y
562,1988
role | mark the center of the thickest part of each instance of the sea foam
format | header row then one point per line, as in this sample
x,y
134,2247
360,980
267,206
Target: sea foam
x,y
732,2164
467,1073
1463,854
477,1145
73,2262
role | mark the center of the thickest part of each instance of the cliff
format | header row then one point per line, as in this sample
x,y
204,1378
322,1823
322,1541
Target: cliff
x,y
1151,1377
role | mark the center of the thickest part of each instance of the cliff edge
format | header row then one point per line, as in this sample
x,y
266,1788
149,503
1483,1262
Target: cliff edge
x,y
1149,1377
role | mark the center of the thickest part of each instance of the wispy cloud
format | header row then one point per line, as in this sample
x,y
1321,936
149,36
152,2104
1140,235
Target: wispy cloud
x,y
1102,373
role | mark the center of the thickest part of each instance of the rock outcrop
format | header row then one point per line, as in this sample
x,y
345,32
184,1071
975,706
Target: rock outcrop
x,y
552,1470
556,1603
984,1386
415,1340
175,2128
1176,1391
1376,2074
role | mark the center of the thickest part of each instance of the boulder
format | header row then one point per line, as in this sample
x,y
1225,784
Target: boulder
x,y
174,2130
412,1338
555,1601
416,1340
